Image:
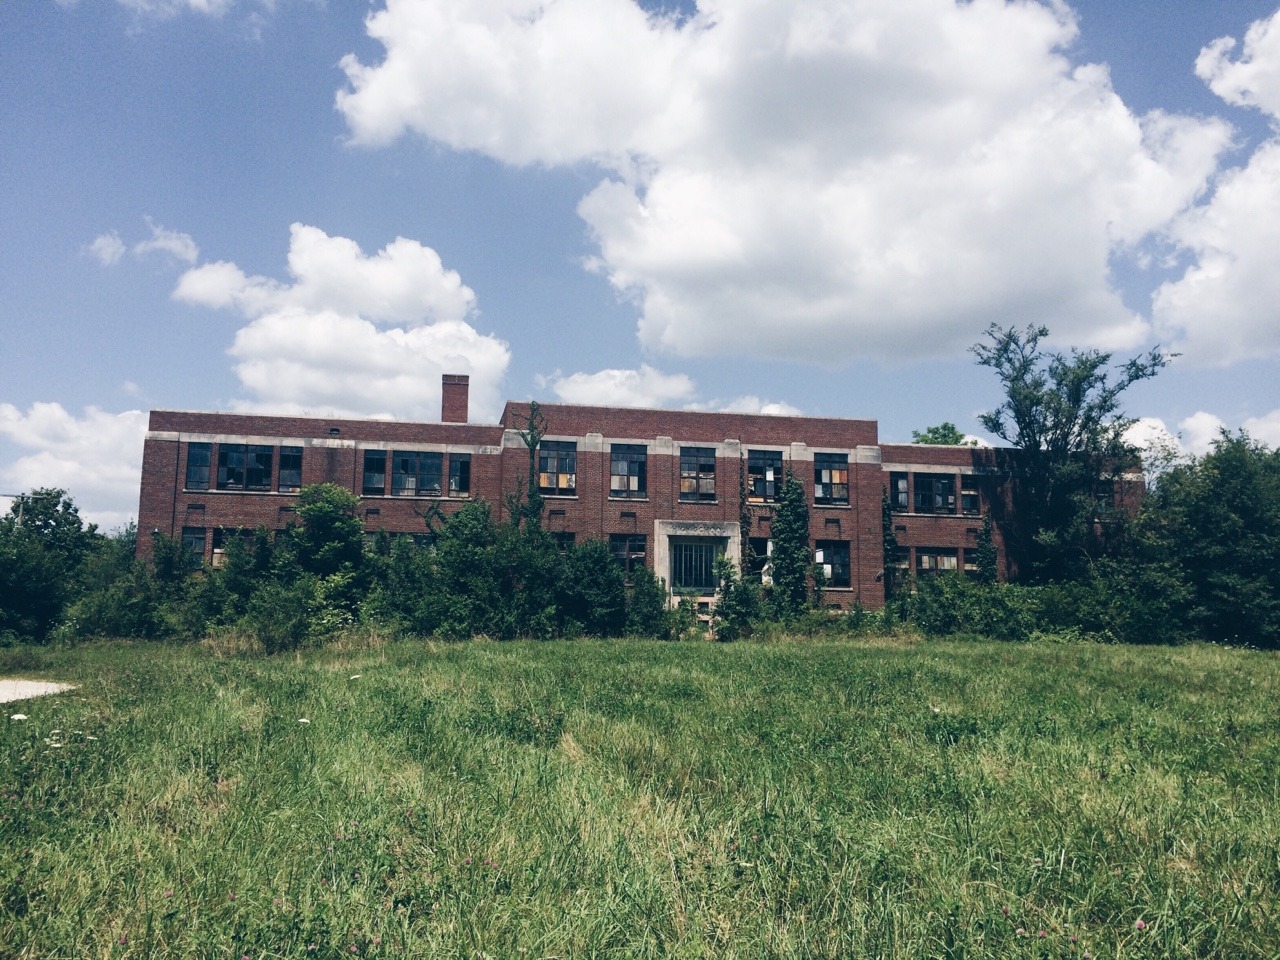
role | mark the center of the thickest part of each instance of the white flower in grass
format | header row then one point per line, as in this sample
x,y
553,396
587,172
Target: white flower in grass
x,y
355,676
304,720
18,716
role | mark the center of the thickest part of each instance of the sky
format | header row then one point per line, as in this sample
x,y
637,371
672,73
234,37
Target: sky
x,y
310,207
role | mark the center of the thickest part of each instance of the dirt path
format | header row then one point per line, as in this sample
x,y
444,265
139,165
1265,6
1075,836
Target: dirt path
x,y
11,690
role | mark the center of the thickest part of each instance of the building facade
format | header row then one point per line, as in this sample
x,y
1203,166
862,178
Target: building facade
x,y
663,488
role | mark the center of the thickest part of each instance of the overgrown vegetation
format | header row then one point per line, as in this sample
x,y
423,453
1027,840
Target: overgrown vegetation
x,y
643,800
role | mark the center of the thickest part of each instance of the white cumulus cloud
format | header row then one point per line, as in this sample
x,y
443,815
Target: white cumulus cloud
x,y
1226,305
819,181
96,457
172,243
645,387
108,248
351,333
1265,428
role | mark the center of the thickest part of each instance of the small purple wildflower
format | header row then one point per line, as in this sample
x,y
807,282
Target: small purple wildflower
x,y
1042,934
231,897
1140,925
1004,911
123,940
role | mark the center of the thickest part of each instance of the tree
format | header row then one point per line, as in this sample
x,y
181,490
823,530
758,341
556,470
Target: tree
x,y
525,505
945,434
331,537
792,562
1217,518
1063,414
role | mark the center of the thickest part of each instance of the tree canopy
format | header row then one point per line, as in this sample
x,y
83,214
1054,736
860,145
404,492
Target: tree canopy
x,y
945,434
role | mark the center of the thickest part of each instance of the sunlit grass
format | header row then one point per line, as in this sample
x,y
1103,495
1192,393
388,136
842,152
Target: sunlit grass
x,y
637,799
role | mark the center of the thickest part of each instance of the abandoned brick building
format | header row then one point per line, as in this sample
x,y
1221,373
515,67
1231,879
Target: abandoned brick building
x,y
661,487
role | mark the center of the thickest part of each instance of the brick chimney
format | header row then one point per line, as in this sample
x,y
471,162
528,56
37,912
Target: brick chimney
x,y
454,388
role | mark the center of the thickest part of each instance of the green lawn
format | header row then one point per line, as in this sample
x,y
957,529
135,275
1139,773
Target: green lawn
x,y
633,799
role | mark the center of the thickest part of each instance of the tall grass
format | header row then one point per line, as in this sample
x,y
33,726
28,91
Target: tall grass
x,y
633,799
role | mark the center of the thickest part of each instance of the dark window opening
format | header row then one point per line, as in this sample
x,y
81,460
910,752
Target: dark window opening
x,y
375,473
563,539
760,556
290,469
970,502
416,473
628,550
459,474
693,565
558,467
627,470
899,502
193,539
199,457
935,493
831,478
764,476
244,466
833,557
697,474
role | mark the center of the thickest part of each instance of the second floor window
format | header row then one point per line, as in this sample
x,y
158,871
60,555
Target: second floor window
x,y
970,499
697,474
244,466
935,493
764,476
416,473
627,470
199,458
558,467
831,478
375,473
459,474
290,469
899,501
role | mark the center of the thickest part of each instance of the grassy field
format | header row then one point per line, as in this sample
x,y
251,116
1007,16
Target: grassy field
x,y
632,799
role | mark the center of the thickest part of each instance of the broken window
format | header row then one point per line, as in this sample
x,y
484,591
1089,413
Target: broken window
x,y
764,476
697,474
935,493
833,557
932,560
416,473
244,466
758,559
627,470
459,474
375,473
199,456
899,500
628,549
290,469
558,467
831,478
193,539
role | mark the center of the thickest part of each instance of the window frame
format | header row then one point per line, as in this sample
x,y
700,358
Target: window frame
x,y
761,488
424,467
689,554
283,487
693,473
189,543
460,475
629,550
628,471
206,468
254,462
367,489
929,561
926,488
825,553
828,468
562,456
970,495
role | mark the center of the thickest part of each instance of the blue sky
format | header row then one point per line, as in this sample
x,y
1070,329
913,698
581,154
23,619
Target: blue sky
x,y
771,205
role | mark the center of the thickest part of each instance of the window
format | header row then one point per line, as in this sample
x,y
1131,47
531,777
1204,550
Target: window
x,y
459,474
970,502
898,499
693,564
375,473
628,549
290,469
223,538
831,478
193,544
758,561
416,473
697,473
627,470
833,557
931,561
244,466
558,467
764,476
198,459
935,493
563,540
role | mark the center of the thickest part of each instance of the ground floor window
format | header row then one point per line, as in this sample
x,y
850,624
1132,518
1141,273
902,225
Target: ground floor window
x,y
193,539
693,564
628,549
930,560
833,557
